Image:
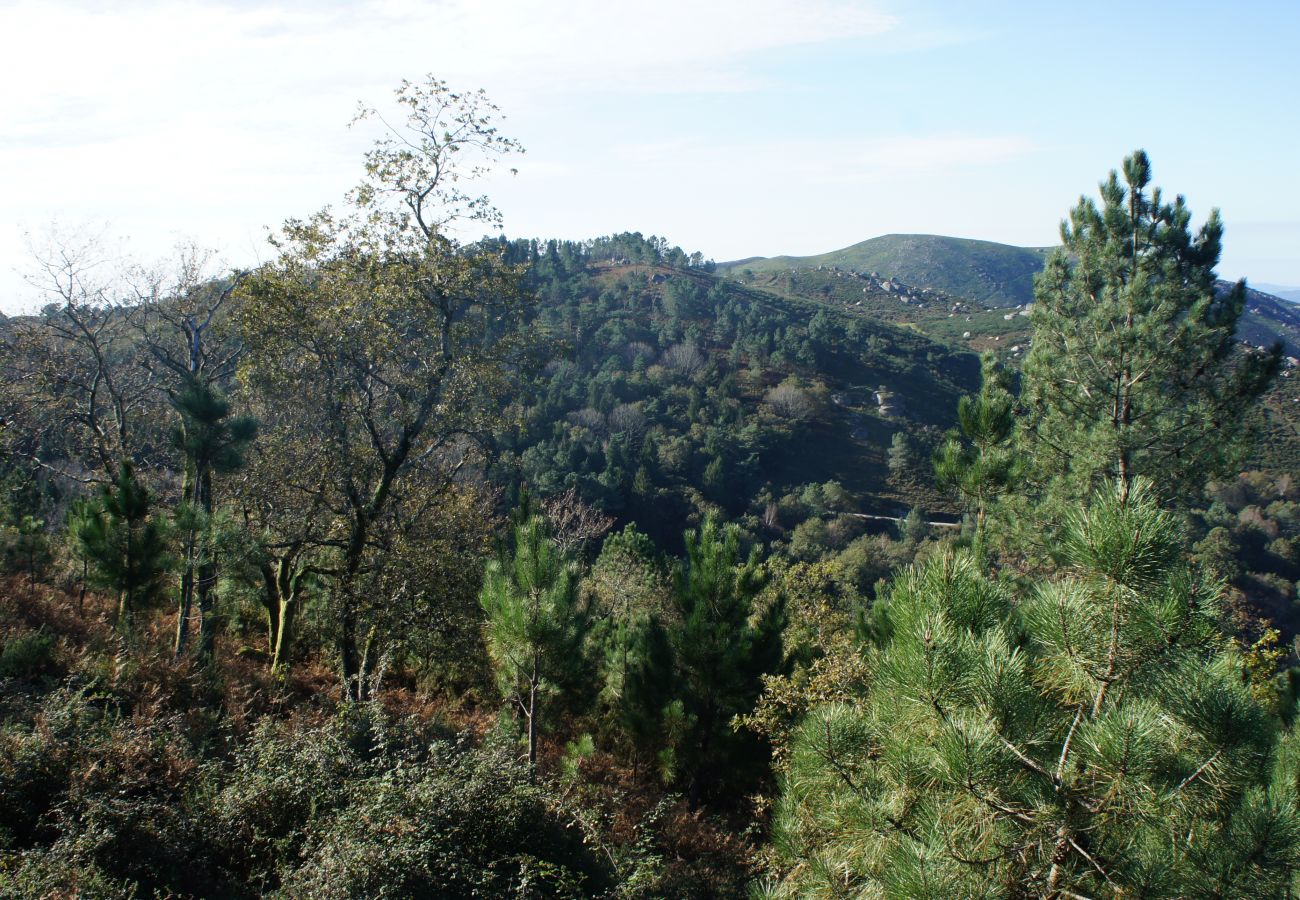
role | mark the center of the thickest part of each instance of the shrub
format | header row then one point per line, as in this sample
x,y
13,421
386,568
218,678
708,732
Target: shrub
x,y
27,655
462,823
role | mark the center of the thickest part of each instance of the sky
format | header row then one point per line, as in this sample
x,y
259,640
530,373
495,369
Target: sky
x,y
733,127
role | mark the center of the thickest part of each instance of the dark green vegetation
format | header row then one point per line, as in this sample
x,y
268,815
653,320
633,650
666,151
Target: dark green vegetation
x,y
1091,734
540,568
670,392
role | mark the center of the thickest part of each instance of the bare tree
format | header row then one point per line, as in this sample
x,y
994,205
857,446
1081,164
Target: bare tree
x,y
638,350
628,420
574,522
589,419
685,358
790,402
72,380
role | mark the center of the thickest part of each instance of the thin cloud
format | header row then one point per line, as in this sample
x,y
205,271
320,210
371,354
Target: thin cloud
x,y
853,161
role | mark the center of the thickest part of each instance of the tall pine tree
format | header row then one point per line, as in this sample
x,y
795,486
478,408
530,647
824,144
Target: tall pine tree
x,y
978,462
724,643
212,442
1132,370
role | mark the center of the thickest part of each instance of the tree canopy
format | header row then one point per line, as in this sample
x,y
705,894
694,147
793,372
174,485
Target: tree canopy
x,y
1135,367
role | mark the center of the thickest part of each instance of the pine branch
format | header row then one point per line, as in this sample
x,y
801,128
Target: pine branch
x,y
1065,748
1197,774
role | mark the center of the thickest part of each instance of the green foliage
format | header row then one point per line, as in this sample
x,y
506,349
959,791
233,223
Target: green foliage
x,y
979,463
535,625
472,827
26,655
902,455
724,643
1133,370
638,677
26,548
913,527
1095,722
208,436
125,546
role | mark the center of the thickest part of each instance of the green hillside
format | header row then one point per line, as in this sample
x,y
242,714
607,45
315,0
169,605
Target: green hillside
x,y
984,271
1269,319
977,327
677,389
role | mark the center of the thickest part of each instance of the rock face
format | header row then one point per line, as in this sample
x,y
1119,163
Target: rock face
x,y
890,404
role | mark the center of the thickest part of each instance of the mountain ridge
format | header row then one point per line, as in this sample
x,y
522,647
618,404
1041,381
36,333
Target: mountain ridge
x,y
988,273
985,271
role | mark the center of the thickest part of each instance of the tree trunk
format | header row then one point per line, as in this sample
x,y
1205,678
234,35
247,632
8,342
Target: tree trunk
x,y
349,659
284,634
189,486
123,622
207,611
1060,853
271,603
532,721
187,600
703,770
369,658
206,579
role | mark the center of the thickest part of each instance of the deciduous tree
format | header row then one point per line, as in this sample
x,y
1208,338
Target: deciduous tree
x,y
384,342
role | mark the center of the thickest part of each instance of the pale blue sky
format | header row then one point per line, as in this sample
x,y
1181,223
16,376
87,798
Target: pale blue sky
x,y
736,127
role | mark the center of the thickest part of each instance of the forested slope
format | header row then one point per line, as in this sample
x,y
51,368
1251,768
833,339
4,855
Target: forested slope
x,y
674,390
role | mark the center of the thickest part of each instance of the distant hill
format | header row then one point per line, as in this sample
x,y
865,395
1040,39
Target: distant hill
x,y
1269,318
949,269
986,272
1290,294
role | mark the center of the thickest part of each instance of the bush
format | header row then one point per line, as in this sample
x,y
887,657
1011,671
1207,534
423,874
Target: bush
x,y
27,655
95,805
280,785
461,823
100,806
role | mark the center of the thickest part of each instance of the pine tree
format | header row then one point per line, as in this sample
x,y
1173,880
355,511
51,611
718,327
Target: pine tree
x,y
1132,369
638,685
979,463
28,549
1092,736
125,547
212,442
900,456
535,627
724,644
